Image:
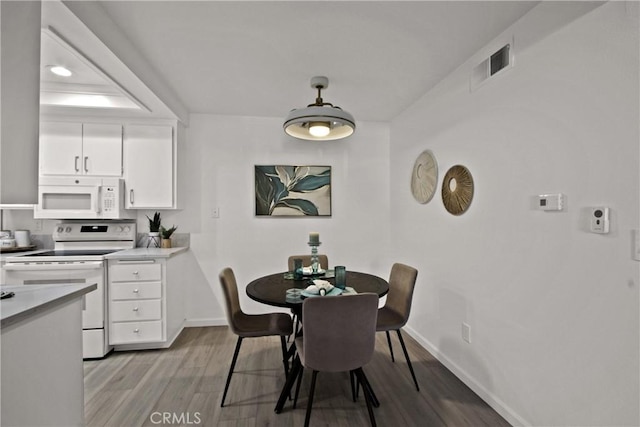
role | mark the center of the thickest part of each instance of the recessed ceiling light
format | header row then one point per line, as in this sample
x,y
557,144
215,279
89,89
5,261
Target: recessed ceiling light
x,y
59,70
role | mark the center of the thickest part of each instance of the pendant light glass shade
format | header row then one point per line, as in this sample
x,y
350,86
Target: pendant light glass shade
x,y
320,121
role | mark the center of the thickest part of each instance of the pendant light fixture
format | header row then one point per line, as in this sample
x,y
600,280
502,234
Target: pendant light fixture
x,y
320,121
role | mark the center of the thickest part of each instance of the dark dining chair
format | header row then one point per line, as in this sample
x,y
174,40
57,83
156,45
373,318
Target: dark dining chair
x,y
251,325
306,261
395,313
324,347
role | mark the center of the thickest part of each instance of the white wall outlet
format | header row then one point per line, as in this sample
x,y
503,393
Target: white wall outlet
x,y
215,212
599,219
551,202
466,332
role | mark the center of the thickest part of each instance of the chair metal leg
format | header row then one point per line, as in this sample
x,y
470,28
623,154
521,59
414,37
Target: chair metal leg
x,y
406,356
310,401
295,399
353,384
390,346
285,358
296,321
367,396
233,364
286,390
366,386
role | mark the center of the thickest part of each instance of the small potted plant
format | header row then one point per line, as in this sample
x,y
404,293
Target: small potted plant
x,y
154,230
166,235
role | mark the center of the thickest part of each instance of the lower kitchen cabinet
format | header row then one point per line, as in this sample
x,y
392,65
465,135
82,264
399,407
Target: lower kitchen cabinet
x,y
146,307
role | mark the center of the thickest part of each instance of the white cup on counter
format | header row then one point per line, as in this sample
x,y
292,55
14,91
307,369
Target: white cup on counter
x,y
22,237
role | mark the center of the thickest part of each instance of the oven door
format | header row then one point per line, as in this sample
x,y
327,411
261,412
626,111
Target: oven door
x,y
55,273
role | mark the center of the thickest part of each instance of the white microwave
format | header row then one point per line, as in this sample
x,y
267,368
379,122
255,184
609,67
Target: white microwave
x,y
81,198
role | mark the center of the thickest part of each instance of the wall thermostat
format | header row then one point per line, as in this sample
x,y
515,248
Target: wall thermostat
x,y
599,219
551,202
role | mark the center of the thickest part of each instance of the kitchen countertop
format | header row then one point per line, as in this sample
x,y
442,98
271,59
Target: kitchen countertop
x,y
32,299
145,253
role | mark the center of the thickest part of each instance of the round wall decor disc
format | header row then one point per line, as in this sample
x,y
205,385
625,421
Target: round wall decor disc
x,y
457,190
424,177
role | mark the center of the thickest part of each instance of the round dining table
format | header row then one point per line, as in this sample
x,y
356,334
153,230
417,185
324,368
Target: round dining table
x,y
272,289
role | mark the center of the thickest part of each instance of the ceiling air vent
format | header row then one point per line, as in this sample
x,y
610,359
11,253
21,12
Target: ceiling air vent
x,y
498,61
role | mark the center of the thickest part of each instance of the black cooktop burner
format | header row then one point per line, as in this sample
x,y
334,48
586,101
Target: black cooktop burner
x,y
76,252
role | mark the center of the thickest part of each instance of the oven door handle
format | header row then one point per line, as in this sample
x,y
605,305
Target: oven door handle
x,y
90,265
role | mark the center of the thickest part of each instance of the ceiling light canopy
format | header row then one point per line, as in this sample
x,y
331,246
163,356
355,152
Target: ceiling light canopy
x,y
320,121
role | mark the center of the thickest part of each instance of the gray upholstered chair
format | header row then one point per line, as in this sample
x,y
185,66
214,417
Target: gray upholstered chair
x,y
327,348
306,261
395,313
251,325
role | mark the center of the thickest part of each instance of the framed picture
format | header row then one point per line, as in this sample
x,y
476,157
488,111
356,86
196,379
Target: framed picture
x,y
293,190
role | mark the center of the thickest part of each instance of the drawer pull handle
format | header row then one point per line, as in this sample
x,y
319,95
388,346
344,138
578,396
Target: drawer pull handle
x,y
135,308
135,273
136,330
135,291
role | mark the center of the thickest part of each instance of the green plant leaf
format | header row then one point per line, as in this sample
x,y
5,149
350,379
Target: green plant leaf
x,y
265,192
311,183
304,206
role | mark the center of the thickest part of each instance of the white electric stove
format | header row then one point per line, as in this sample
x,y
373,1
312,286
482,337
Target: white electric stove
x,y
78,256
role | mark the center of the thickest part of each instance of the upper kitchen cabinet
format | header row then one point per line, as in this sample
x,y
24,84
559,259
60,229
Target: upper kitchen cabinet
x,y
150,166
92,149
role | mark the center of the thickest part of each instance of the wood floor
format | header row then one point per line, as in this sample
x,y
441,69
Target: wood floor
x,y
183,385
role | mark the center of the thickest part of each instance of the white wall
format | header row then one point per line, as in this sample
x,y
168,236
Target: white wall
x,y
222,152
553,309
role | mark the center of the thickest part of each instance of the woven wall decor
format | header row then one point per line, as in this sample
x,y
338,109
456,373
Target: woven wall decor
x,y
424,177
457,190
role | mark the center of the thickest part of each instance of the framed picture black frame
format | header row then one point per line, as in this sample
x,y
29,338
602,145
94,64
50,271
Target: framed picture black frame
x,y
292,191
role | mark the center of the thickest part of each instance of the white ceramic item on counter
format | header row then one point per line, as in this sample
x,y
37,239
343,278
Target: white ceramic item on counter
x,y
7,243
23,238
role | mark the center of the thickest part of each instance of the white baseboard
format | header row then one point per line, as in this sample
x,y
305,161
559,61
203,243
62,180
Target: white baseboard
x,y
491,399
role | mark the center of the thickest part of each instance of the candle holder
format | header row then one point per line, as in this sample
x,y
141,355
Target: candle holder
x,y
314,256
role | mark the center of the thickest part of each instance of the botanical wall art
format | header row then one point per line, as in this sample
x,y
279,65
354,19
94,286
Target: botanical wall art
x,y
293,190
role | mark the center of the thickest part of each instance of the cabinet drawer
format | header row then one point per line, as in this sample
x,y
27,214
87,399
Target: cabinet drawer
x,y
135,332
135,272
136,310
135,291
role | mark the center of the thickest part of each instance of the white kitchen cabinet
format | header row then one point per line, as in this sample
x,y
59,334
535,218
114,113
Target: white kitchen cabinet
x,y
145,302
93,149
150,167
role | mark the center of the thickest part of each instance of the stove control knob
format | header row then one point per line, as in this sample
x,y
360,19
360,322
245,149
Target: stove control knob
x,y
68,229
59,229
127,228
120,228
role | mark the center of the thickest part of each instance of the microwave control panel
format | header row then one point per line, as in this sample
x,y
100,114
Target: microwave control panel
x,y
109,202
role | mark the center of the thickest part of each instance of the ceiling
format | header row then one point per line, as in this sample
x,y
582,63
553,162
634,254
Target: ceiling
x,y
257,58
